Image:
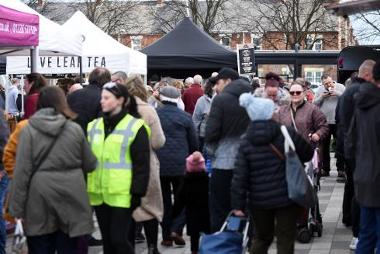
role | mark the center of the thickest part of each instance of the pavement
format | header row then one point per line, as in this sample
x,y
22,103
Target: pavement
x,y
335,238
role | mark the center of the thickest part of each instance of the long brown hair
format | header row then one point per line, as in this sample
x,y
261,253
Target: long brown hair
x,y
54,97
136,87
38,80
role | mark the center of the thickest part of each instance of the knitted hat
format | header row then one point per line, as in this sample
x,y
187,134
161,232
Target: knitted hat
x,y
257,108
169,93
195,163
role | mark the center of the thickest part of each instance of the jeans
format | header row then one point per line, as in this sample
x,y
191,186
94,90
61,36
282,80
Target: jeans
x,y
3,230
279,221
220,197
369,235
57,242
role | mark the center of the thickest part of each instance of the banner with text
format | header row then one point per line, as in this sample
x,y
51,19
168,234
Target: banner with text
x,y
65,64
246,58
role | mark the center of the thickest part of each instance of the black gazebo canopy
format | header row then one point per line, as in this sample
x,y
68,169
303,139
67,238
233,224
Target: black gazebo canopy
x,y
187,48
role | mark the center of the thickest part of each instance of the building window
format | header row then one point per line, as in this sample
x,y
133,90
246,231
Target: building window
x,y
136,42
314,42
225,40
314,76
256,41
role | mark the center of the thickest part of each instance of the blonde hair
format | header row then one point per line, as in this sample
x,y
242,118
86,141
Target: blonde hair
x,y
178,84
136,87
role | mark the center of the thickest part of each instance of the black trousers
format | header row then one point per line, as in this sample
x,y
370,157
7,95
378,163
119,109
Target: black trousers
x,y
348,195
169,187
220,197
326,151
114,224
268,222
151,231
57,242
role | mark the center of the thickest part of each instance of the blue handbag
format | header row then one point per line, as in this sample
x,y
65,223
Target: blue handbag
x,y
231,239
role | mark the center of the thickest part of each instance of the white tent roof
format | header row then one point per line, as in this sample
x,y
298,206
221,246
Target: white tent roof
x,y
53,38
98,43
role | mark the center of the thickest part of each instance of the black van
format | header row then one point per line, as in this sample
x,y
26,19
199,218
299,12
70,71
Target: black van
x,y
350,58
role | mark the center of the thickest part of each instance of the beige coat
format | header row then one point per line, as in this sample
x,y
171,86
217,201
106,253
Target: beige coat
x,y
152,204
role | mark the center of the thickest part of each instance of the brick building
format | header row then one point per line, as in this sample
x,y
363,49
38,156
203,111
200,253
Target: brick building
x,y
148,23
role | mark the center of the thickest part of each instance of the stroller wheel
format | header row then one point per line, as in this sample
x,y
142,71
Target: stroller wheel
x,y
304,235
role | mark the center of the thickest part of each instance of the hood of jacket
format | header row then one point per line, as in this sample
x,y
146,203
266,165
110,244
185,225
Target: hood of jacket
x,y
368,96
237,87
263,132
48,121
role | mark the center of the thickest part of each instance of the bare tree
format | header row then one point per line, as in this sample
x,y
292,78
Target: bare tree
x,y
110,15
286,22
208,14
371,22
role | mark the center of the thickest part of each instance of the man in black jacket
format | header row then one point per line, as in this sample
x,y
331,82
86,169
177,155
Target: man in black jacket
x,y
227,121
86,102
345,111
366,141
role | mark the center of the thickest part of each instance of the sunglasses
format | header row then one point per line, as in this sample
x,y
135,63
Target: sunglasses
x,y
295,92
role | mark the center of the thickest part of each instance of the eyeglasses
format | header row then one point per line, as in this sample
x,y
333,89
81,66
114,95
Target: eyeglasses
x,y
295,93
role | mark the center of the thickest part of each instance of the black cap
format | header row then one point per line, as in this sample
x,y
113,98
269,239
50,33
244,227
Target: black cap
x,y
227,73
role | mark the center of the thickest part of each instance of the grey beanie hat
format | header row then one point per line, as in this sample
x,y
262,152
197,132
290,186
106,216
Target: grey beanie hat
x,y
169,93
257,108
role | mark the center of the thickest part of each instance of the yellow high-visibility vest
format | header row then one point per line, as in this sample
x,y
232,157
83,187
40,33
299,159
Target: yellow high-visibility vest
x,y
111,182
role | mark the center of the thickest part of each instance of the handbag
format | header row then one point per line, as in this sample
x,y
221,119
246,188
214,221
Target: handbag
x,y
300,186
19,245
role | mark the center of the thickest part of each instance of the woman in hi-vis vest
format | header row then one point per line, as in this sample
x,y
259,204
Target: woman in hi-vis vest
x,y
120,141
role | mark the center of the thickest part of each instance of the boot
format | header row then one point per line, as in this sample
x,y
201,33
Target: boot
x,y
153,250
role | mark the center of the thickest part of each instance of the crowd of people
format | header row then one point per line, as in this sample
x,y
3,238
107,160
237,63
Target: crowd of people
x,y
179,154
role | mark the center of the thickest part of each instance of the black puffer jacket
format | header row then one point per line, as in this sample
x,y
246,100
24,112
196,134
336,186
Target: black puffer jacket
x,y
259,171
227,119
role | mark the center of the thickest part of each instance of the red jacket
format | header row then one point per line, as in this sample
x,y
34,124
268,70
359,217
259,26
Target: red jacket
x,y
190,97
31,105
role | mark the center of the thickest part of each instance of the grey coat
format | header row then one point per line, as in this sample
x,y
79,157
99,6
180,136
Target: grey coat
x,y
328,104
201,111
52,197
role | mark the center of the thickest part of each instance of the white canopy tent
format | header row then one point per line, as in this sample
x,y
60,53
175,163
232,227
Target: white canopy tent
x,y
98,50
53,38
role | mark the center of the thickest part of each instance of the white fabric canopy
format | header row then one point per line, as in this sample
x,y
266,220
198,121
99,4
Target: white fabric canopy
x,y
53,38
98,50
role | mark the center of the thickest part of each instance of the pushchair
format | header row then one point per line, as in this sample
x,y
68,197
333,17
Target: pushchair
x,y
231,239
310,221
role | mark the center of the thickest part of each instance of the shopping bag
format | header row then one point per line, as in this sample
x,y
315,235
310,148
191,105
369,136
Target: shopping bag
x,y
231,239
300,189
19,239
222,243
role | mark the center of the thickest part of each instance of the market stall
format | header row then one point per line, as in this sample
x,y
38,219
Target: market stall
x,y
98,50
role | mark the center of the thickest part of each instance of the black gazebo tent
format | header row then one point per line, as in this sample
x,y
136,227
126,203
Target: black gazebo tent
x,y
187,50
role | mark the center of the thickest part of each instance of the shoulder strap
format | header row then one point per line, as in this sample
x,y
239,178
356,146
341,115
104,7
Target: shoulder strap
x,y
288,144
50,148
293,120
277,152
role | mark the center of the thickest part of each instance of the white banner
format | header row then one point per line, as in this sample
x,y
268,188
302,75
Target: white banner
x,y
65,64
